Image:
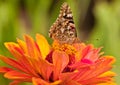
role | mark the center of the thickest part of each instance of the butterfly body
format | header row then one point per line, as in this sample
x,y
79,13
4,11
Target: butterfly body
x,y
63,30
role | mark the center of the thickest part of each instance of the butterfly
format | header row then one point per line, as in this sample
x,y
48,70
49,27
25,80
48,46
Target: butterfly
x,y
63,30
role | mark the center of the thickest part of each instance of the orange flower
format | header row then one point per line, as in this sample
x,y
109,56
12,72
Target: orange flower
x,y
59,64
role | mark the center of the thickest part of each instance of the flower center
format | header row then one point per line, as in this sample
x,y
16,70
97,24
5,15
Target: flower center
x,y
67,48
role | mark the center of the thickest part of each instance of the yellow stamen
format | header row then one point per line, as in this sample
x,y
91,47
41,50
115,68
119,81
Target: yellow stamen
x,y
69,49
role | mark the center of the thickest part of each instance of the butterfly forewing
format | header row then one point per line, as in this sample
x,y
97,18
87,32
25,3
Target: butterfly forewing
x,y
63,30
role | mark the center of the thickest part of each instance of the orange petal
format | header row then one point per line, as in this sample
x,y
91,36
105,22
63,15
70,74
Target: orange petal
x,y
22,45
12,47
43,68
60,61
108,73
12,62
22,62
79,47
8,45
39,81
110,58
56,82
33,50
107,83
72,82
67,78
43,45
23,66
97,81
18,76
21,58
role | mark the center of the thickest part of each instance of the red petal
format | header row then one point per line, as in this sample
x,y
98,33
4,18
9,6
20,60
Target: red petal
x,y
15,82
4,69
60,61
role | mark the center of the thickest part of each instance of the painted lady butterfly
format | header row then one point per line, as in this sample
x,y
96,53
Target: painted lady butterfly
x,y
63,30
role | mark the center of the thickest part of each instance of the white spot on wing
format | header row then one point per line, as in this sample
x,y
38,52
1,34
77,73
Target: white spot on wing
x,y
69,15
62,30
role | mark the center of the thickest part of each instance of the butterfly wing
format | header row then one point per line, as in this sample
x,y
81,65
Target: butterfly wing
x,y
63,30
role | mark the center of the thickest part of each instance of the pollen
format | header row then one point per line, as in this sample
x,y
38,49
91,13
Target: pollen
x,y
67,48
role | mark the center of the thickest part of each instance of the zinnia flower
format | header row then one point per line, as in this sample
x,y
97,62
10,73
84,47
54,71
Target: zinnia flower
x,y
60,64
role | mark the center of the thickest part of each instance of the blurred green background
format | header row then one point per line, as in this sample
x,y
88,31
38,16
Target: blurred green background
x,y
97,22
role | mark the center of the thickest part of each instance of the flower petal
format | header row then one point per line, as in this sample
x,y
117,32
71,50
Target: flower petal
x,y
43,45
107,83
33,50
101,66
15,82
60,61
4,69
17,76
91,53
22,45
13,63
43,68
11,46
67,78
38,81
108,73
72,82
